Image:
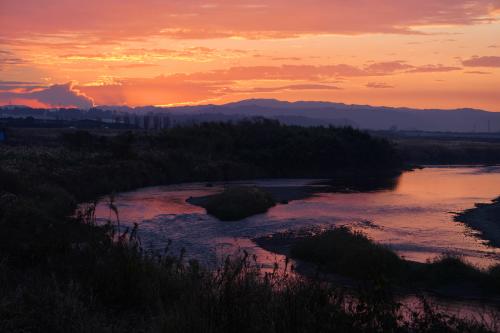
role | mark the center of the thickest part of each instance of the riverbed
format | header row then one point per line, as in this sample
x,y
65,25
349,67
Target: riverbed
x,y
414,216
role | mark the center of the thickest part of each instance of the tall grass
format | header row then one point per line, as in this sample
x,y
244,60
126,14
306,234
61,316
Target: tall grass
x,y
350,253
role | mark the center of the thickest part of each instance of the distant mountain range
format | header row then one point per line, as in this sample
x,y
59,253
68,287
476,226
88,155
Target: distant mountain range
x,y
326,113
339,114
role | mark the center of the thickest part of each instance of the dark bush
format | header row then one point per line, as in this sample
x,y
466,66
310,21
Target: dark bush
x,y
78,140
449,269
236,203
349,253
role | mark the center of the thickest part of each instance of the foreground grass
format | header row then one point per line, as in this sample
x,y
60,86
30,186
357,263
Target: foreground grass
x,y
116,287
86,278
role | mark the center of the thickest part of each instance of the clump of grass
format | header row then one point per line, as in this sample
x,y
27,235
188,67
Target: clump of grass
x,y
493,280
349,253
448,269
236,203
352,254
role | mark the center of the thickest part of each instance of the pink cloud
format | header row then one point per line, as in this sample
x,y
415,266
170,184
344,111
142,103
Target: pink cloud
x,y
57,95
378,85
388,67
433,69
120,20
310,72
477,72
8,58
131,66
485,61
289,88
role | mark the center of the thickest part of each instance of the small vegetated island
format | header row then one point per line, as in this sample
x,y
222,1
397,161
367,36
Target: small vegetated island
x,y
236,203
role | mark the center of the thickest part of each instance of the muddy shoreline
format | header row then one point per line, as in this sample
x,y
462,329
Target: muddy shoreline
x,y
484,218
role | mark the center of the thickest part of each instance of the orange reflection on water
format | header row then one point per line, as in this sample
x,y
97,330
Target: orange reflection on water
x,y
150,202
415,218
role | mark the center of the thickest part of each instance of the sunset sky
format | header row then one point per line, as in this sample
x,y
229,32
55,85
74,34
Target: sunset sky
x,y
425,53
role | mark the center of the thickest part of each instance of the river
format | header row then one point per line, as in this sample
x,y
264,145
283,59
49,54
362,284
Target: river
x,y
414,216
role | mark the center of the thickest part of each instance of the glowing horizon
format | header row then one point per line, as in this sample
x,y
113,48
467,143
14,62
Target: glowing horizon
x,y
421,54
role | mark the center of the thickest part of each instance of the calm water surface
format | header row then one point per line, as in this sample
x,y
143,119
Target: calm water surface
x,y
415,218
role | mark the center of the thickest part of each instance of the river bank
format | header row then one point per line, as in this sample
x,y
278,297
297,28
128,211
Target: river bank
x,y
485,219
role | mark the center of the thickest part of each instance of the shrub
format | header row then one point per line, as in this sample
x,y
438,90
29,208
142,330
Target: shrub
x,y
236,203
448,269
493,279
350,253
78,140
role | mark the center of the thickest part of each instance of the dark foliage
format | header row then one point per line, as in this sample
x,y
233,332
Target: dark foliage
x,y
428,151
236,203
284,151
350,253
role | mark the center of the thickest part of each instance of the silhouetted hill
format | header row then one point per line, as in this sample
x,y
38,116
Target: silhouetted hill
x,y
325,113
360,116
365,116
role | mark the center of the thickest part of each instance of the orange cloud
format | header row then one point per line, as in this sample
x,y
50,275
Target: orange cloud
x,y
200,54
172,89
202,86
